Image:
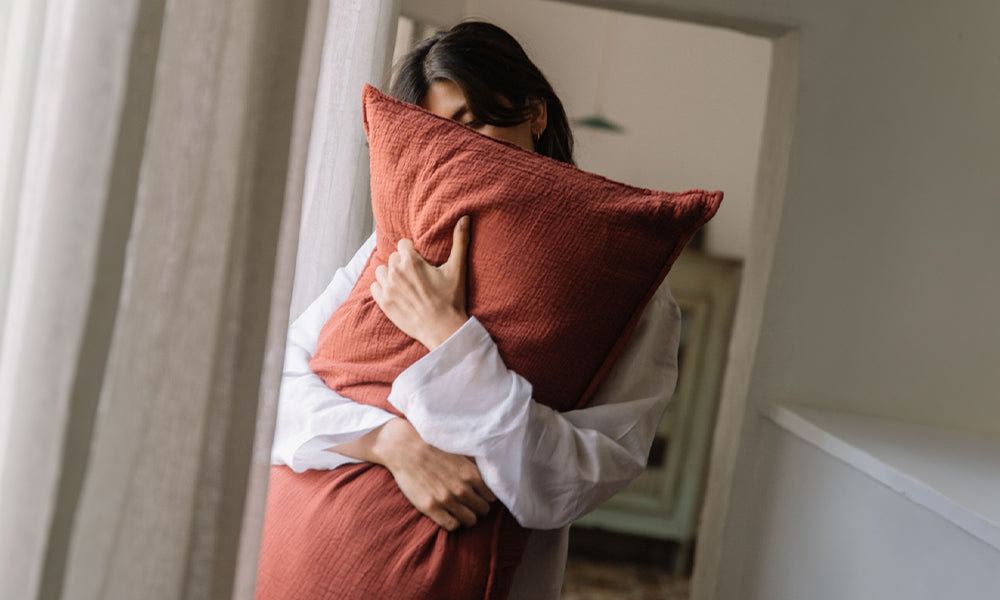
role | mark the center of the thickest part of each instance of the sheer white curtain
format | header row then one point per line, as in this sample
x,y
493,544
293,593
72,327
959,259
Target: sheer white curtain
x,y
21,25
336,215
150,282
59,202
349,43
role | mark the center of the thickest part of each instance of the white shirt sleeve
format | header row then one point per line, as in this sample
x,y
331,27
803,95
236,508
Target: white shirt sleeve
x,y
311,416
547,467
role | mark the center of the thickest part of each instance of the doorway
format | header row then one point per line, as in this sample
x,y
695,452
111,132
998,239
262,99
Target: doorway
x,y
672,101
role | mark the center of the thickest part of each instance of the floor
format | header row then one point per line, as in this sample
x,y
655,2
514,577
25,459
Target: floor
x,y
595,579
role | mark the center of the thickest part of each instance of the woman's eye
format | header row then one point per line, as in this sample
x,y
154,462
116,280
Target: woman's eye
x,y
473,124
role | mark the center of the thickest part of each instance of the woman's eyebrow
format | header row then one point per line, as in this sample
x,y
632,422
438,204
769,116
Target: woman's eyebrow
x,y
458,113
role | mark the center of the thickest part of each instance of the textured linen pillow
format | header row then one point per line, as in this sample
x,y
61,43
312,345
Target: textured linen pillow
x,y
561,261
561,264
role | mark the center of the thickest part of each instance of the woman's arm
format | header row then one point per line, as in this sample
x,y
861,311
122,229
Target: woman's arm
x,y
319,429
597,450
445,487
312,417
547,467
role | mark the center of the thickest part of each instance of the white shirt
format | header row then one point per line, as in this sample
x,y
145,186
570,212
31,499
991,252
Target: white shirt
x,y
548,468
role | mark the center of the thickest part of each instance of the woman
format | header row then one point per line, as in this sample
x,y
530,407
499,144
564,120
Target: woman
x,y
551,467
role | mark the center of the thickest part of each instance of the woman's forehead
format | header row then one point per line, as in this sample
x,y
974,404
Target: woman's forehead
x,y
445,99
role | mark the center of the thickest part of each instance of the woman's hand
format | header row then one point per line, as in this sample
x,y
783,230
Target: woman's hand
x,y
445,487
426,302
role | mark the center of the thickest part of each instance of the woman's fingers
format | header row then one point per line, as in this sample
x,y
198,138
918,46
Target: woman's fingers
x,y
463,513
460,483
472,491
472,500
475,479
444,519
405,247
455,266
425,302
405,271
392,284
447,488
459,244
381,274
482,491
449,509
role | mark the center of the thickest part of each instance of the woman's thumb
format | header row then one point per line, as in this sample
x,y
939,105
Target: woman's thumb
x,y
459,244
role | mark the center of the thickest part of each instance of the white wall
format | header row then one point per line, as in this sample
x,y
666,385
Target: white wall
x,y
825,531
438,12
882,299
883,295
691,98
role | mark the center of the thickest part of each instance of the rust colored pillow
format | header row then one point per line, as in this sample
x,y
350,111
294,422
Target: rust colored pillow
x,y
561,264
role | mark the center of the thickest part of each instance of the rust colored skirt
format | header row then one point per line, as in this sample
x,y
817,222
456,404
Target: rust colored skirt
x,y
351,534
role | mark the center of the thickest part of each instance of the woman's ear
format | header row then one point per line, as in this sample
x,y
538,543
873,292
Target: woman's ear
x,y
539,116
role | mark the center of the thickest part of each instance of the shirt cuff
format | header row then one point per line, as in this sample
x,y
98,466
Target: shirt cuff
x,y
319,425
461,397
446,357
313,454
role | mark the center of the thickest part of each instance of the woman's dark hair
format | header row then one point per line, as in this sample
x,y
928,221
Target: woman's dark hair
x,y
496,76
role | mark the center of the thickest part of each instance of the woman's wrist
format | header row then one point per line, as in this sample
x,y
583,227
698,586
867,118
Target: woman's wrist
x,y
377,446
388,445
396,441
437,331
